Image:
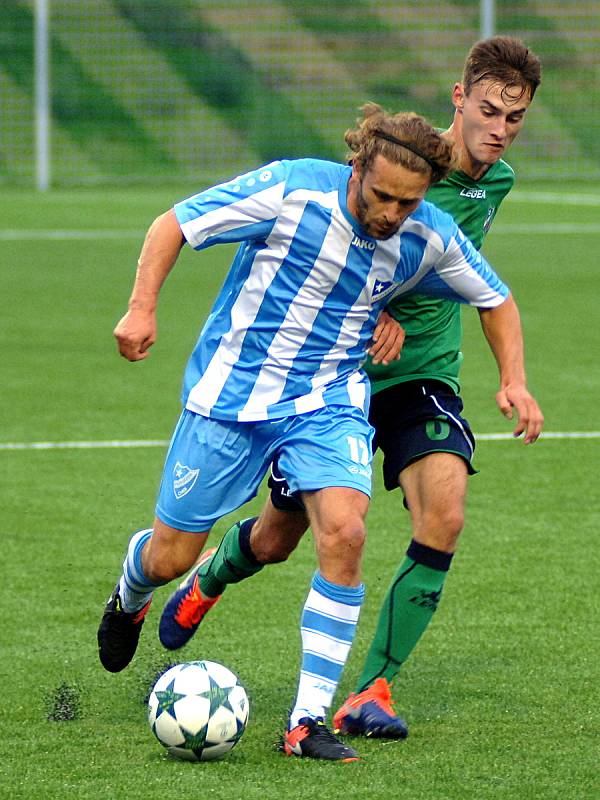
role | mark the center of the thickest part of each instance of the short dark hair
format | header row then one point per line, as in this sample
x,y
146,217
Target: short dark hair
x,y
505,61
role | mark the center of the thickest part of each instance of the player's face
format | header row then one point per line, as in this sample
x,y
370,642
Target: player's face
x,y
492,116
383,196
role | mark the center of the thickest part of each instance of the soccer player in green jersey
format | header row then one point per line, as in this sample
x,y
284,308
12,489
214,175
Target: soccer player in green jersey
x,y
416,408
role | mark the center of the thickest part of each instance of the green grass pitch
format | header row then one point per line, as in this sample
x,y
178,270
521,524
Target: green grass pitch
x,y
501,694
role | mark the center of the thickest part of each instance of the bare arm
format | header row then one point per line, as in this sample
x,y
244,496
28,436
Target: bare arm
x,y
136,331
502,329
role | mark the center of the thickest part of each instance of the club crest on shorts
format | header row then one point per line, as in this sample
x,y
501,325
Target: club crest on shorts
x,y
184,479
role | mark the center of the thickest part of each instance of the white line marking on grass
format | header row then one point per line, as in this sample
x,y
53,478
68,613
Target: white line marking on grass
x,y
131,443
553,198
38,235
495,437
560,228
83,445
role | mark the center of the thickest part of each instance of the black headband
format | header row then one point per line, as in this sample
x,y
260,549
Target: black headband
x,y
391,138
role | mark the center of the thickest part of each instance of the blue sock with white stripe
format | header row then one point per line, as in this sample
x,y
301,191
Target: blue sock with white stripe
x,y
328,626
134,587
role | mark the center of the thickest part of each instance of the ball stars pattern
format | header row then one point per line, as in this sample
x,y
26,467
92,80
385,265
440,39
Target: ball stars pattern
x,y
167,699
217,697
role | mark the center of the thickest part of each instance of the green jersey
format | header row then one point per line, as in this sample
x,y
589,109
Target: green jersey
x,y
433,326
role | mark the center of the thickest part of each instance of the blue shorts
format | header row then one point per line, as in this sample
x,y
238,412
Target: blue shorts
x,y
215,466
411,420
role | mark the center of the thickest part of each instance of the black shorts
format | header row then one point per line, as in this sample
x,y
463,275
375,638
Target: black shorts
x,y
281,496
414,419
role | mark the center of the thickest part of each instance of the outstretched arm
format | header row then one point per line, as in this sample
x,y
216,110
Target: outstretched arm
x,y
136,331
502,328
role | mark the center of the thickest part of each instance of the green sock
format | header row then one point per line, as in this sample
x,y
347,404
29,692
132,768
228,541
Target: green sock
x,y
232,562
406,611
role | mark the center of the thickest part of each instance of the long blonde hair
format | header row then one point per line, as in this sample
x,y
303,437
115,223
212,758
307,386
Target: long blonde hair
x,y
405,138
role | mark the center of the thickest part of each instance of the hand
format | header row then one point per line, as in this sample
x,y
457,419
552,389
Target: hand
x,y
530,417
135,334
388,339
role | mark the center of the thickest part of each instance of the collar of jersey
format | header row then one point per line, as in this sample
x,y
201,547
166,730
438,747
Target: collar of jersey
x,y
342,199
467,181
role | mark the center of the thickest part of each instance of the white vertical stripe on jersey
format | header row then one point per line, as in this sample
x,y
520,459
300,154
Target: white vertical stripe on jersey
x,y
206,392
349,333
430,256
357,390
432,237
302,313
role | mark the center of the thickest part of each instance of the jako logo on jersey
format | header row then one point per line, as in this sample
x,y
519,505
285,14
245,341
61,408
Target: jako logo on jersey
x,y
477,194
184,479
364,244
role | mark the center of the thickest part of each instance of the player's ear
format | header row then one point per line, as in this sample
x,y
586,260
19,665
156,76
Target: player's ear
x,y
458,96
356,170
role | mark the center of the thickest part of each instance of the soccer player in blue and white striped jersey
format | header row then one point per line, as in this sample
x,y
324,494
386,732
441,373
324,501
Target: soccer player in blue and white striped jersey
x,y
276,374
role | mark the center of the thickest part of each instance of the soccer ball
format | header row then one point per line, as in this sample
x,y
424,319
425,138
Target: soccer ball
x,y
198,710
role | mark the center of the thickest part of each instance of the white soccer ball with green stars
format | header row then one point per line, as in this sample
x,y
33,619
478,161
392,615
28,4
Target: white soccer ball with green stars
x,y
198,710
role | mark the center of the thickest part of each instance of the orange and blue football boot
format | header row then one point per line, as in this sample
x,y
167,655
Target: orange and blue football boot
x,y
186,608
370,713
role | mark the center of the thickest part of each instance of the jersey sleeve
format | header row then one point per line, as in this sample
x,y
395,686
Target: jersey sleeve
x,y
462,274
244,208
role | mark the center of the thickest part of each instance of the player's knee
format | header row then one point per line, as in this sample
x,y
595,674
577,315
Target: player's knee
x,y
453,522
343,537
441,528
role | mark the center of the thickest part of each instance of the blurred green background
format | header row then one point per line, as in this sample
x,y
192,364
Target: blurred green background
x,y
151,91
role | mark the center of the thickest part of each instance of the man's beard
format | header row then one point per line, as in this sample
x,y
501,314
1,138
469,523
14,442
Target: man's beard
x,y
362,207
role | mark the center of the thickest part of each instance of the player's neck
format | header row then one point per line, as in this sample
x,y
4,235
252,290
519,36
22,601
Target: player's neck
x,y
474,169
466,163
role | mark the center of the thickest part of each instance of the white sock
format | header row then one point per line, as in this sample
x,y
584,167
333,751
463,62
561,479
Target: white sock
x,y
328,625
134,588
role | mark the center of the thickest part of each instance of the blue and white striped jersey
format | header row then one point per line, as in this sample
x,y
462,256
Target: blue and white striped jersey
x,y
289,329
